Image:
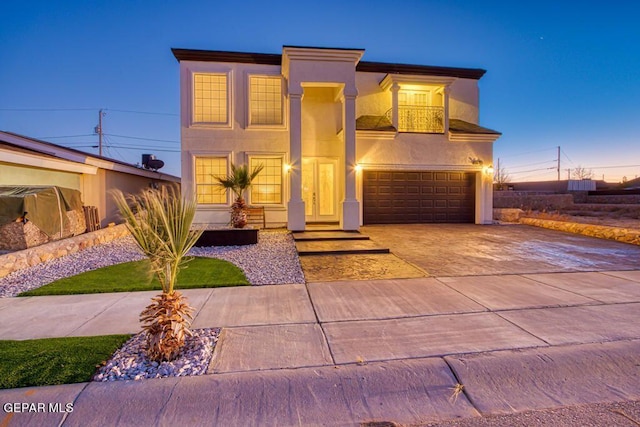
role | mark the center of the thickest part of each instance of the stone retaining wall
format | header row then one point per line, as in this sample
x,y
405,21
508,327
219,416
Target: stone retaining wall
x,y
619,199
17,260
530,201
625,235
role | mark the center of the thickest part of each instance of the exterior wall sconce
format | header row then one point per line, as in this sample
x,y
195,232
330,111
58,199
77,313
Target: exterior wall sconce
x,y
287,168
357,168
489,170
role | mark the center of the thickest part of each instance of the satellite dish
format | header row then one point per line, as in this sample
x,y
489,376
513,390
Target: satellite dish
x,y
150,162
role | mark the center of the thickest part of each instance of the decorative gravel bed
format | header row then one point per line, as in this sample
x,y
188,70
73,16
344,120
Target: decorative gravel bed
x,y
130,363
273,261
115,252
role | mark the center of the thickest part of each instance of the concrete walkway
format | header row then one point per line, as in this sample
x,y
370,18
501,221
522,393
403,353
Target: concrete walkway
x,y
345,353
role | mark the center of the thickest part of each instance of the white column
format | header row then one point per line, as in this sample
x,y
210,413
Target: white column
x,y
447,91
295,207
395,87
484,197
350,205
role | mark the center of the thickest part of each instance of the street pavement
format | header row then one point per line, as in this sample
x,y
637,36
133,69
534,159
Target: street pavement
x,y
357,352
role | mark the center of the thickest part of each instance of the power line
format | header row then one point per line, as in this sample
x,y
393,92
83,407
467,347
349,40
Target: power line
x,y
612,167
142,112
534,170
65,136
565,154
48,109
143,139
532,164
535,175
145,148
92,109
528,152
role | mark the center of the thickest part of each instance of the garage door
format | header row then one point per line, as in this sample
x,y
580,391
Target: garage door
x,y
401,197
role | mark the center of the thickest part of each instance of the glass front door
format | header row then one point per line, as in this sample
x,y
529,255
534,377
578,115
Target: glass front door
x,y
319,178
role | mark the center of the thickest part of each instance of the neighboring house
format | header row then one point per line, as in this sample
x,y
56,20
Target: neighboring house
x,y
632,184
27,161
342,141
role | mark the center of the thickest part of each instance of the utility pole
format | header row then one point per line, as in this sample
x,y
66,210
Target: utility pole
x,y
98,130
558,163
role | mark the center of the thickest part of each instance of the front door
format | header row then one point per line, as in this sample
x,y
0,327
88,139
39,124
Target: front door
x,y
319,178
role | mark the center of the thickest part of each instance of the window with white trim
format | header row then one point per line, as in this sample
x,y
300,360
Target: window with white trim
x,y
208,191
210,98
265,100
266,188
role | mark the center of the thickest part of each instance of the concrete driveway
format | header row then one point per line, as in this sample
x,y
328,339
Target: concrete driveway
x,y
468,249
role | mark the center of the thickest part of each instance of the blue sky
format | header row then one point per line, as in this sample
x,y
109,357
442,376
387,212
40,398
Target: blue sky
x,y
559,73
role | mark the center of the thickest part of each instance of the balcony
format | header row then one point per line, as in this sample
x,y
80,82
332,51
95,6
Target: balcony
x,y
420,119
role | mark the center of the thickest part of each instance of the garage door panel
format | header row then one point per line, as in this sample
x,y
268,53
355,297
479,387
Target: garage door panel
x,y
392,197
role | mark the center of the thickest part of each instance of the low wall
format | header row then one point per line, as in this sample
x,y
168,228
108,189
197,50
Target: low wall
x,y
18,260
601,231
531,201
614,199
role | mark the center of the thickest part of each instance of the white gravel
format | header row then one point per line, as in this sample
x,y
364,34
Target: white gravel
x,y
272,261
116,252
130,363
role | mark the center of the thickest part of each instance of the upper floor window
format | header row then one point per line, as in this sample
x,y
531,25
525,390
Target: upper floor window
x,y
208,191
265,100
421,110
210,98
266,188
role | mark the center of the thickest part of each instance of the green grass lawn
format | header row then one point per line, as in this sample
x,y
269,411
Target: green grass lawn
x,y
134,276
54,361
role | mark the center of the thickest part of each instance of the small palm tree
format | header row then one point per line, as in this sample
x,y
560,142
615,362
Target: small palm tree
x,y
160,223
238,182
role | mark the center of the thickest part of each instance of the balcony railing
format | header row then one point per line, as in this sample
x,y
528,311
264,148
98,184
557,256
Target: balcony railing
x,y
419,119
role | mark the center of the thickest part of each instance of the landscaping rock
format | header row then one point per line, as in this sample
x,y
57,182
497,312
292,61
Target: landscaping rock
x,y
600,231
130,362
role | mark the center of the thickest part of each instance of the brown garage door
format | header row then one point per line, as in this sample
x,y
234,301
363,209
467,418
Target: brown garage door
x,y
401,197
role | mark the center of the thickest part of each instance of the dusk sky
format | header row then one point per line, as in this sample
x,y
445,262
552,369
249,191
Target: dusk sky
x,y
559,73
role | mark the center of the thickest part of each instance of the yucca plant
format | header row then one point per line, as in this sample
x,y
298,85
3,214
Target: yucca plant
x,y
160,223
239,181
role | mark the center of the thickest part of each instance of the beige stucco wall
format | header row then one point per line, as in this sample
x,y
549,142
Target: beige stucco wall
x,y
11,174
128,184
236,142
321,122
372,100
96,191
464,100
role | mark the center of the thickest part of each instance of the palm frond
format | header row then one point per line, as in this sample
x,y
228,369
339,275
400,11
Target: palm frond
x,y
160,223
239,179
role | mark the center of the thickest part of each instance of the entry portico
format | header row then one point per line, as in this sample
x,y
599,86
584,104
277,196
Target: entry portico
x,y
333,69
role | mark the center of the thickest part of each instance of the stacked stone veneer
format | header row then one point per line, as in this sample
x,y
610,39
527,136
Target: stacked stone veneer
x,y
625,235
18,260
619,199
534,201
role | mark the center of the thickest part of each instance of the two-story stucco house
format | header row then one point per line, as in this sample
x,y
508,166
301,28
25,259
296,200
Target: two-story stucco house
x,y
342,140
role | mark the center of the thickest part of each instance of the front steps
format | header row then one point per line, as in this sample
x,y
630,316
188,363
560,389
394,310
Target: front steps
x,y
335,242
